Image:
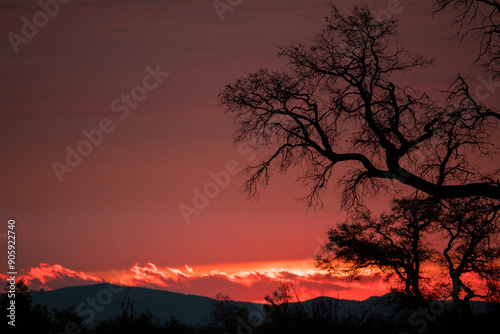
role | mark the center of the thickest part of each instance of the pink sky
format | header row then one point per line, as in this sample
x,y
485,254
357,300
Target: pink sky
x,y
119,208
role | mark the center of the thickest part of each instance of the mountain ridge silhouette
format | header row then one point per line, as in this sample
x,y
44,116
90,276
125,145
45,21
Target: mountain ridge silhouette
x,y
93,303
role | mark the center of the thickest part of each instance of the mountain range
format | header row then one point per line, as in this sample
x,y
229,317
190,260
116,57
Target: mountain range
x,y
102,301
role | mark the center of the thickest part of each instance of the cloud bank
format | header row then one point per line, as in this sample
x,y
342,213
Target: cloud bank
x,y
249,285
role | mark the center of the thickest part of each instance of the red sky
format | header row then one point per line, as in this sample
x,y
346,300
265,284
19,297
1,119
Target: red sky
x,y
118,211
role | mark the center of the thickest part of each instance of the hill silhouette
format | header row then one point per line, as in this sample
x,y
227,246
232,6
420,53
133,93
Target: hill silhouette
x,y
190,309
108,308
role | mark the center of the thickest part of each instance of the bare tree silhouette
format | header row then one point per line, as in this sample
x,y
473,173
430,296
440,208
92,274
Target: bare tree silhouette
x,y
286,310
481,17
225,315
337,103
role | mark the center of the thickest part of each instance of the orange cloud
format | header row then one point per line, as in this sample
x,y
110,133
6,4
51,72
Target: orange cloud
x,y
50,277
242,281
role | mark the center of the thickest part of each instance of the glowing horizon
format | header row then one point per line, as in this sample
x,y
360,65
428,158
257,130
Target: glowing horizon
x,y
244,281
248,282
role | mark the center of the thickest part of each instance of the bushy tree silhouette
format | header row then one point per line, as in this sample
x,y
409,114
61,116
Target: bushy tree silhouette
x,y
395,244
461,235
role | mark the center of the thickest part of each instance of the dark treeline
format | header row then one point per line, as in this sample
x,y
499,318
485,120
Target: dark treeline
x,y
283,313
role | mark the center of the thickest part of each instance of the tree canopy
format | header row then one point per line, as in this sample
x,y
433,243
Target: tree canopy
x,y
396,244
460,236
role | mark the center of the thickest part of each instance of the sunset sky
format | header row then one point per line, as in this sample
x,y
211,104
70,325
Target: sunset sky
x,y
116,216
